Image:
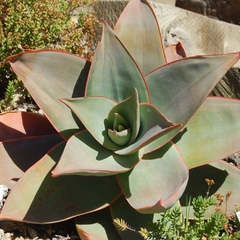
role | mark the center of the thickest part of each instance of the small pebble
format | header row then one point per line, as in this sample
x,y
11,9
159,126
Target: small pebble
x,y
3,194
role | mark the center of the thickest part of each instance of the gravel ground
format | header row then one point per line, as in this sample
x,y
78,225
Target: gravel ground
x,y
18,231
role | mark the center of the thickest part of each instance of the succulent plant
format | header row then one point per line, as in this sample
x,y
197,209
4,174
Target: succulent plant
x,y
120,133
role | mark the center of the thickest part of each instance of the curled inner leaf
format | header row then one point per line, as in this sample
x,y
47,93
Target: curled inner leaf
x,y
119,122
121,138
124,117
120,132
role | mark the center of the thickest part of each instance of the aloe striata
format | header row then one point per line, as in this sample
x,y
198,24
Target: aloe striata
x,y
120,133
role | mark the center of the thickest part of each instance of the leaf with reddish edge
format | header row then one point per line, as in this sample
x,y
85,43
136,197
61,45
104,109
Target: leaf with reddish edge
x,y
97,225
44,70
33,199
226,178
157,143
21,135
101,116
113,73
20,124
129,110
122,210
93,112
20,154
83,155
186,83
154,128
175,52
213,133
146,187
137,27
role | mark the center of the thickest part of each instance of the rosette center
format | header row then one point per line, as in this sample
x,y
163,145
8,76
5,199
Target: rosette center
x,y
120,133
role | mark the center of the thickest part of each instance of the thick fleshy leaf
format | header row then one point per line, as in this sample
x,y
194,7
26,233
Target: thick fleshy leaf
x,y
93,112
212,134
122,210
226,178
21,134
83,155
18,155
19,124
156,182
121,138
179,88
113,73
175,52
97,225
138,29
129,110
153,126
165,137
50,75
40,198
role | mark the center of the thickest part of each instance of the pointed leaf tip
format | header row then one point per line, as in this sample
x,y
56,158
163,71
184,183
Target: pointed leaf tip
x,y
44,74
189,78
94,120
137,27
112,57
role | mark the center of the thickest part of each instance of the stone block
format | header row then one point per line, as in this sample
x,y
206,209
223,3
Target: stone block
x,y
198,34
228,11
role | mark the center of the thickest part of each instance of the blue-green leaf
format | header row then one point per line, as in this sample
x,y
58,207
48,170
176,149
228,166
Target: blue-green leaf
x,y
113,73
83,155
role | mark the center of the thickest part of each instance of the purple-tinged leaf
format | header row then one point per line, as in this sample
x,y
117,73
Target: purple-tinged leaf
x,y
175,52
154,127
113,73
213,133
40,198
129,110
21,134
49,75
20,154
156,182
20,124
85,156
137,27
97,225
93,112
179,88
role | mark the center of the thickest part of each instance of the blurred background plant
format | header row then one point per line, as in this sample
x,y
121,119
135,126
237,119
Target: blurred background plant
x,y
31,24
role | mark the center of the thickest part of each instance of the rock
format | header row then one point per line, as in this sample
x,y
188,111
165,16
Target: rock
x,y
23,231
197,6
228,11
3,194
198,34
229,85
234,159
32,233
2,237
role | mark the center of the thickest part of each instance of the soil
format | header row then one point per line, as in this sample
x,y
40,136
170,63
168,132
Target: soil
x,y
59,231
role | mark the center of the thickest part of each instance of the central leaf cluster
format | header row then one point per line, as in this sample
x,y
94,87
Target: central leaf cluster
x,y
116,126
120,132
123,121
